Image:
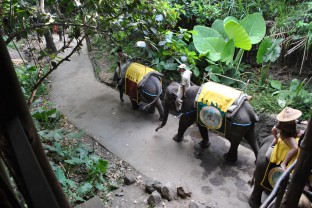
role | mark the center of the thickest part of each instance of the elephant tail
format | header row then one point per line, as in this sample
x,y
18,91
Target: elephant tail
x,y
251,182
151,103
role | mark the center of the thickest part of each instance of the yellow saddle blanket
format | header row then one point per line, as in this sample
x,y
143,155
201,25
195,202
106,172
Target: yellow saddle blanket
x,y
213,101
280,151
273,170
134,74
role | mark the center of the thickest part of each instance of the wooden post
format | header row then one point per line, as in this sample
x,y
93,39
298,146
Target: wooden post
x,y
301,172
13,104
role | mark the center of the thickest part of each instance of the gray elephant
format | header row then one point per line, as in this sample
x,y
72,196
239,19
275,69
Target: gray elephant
x,y
235,132
144,85
261,168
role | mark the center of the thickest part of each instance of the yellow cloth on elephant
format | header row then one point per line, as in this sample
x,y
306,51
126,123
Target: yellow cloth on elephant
x,y
219,94
213,101
280,151
273,170
134,74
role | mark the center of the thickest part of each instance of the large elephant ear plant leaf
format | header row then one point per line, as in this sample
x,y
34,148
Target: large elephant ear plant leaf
x,y
236,32
200,38
254,25
269,50
218,26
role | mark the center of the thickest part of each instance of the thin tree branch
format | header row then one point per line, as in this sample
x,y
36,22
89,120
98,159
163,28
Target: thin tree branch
x,y
40,25
52,69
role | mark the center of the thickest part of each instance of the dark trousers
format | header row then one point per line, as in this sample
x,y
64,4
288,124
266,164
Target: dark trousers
x,y
120,85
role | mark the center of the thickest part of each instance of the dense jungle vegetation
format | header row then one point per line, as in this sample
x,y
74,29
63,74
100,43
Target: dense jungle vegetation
x,y
265,43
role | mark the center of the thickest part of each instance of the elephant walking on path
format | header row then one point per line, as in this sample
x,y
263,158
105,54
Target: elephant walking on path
x,y
142,83
242,125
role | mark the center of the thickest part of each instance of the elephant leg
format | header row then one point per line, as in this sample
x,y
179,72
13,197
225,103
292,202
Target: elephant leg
x,y
135,105
231,155
251,139
184,123
204,134
261,165
160,109
203,144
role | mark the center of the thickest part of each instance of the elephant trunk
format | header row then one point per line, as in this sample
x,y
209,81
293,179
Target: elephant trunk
x,y
165,118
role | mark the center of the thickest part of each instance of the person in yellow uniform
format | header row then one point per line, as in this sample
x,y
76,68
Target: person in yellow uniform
x,y
287,131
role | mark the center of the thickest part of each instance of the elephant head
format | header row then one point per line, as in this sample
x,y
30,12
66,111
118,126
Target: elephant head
x,y
240,126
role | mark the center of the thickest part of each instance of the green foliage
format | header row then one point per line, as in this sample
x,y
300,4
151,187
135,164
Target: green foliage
x,y
296,96
219,42
268,52
72,160
28,78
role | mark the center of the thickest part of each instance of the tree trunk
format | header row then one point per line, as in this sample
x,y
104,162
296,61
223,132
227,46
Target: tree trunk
x,y
47,34
49,42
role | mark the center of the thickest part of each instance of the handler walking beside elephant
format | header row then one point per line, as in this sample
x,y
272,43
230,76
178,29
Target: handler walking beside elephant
x,y
184,86
119,75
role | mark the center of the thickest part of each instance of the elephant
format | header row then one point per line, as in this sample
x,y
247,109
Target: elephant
x,y
148,89
235,132
261,166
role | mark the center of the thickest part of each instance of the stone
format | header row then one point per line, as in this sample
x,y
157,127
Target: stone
x,y
154,199
149,186
167,192
129,179
181,193
193,205
157,185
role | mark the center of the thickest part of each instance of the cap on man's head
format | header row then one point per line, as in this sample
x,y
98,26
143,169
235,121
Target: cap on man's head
x,y
182,66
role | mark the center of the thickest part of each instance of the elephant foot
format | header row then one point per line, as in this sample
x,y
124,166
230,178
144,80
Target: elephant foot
x,y
230,158
204,145
199,149
253,203
177,139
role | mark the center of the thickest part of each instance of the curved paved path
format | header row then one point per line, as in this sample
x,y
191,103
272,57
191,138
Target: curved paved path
x,y
96,109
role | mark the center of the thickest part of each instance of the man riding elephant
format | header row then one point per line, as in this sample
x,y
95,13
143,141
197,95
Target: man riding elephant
x,y
184,86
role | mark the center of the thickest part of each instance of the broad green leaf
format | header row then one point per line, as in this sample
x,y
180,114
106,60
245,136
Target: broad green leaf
x,y
170,66
75,135
255,26
196,71
85,188
99,186
263,48
214,46
276,84
230,18
75,161
59,173
218,25
228,52
71,183
202,33
236,32
281,103
102,165
212,70
274,51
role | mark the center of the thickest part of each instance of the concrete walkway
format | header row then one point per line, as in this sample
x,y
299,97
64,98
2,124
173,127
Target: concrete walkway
x,y
96,109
